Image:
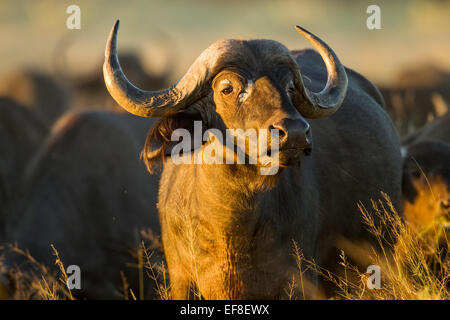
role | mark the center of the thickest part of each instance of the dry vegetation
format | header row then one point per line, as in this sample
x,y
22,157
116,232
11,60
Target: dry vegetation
x,y
415,267
40,282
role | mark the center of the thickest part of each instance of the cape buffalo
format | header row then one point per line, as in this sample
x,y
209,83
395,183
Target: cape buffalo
x,y
228,230
87,193
38,92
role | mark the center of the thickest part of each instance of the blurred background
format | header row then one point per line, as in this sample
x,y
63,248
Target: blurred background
x,y
33,32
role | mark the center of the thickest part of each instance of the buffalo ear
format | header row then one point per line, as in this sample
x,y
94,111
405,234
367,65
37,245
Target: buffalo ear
x,y
158,144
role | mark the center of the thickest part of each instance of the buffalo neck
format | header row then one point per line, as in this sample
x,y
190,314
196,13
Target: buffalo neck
x,y
234,219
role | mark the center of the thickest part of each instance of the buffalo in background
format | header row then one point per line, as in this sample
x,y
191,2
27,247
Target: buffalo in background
x,y
37,91
418,95
426,187
426,177
86,192
21,134
72,177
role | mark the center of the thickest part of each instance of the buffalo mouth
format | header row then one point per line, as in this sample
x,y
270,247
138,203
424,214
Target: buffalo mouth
x,y
292,156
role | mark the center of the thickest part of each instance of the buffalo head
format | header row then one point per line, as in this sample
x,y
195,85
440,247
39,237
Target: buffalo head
x,y
237,84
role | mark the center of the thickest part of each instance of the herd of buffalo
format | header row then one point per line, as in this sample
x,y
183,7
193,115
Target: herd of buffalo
x,y
79,172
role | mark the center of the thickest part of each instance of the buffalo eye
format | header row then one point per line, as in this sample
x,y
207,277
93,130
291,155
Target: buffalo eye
x,y
227,90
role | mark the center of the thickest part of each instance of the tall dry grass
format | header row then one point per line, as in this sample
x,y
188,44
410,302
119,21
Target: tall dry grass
x,y
38,282
32,280
414,266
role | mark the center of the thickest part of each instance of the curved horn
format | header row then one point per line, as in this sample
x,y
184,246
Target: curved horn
x,y
151,103
327,101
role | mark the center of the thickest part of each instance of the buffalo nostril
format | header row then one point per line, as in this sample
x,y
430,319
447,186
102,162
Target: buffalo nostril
x,y
281,131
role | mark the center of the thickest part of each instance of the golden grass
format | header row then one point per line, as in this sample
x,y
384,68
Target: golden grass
x,y
148,269
425,214
414,267
32,280
39,281
157,273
